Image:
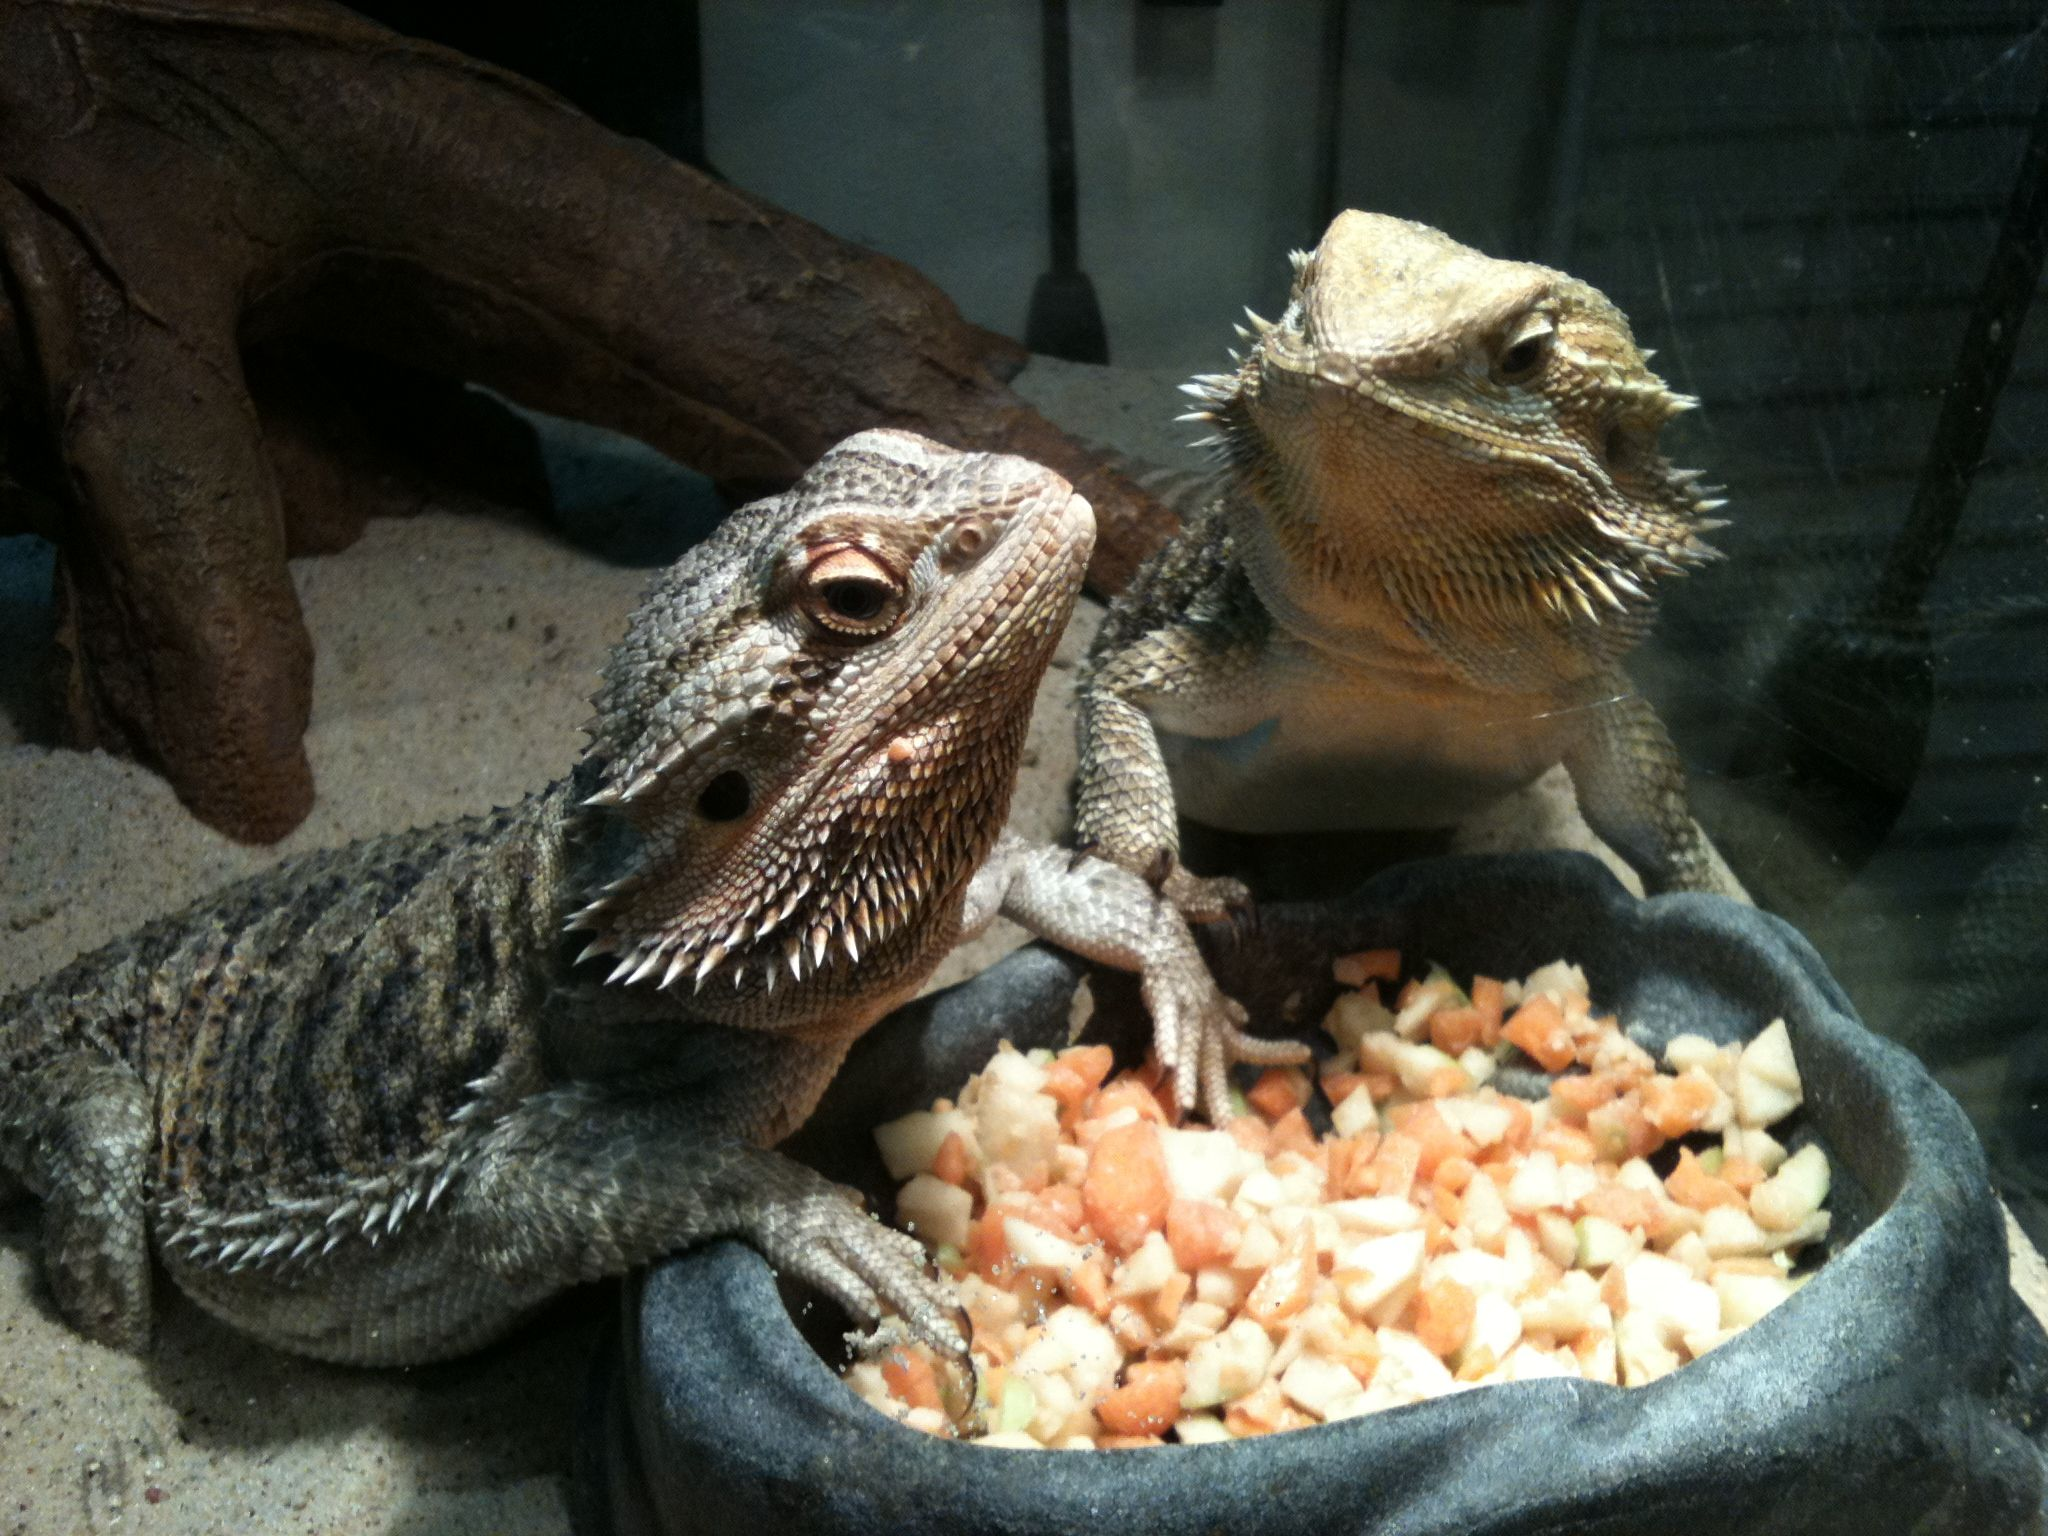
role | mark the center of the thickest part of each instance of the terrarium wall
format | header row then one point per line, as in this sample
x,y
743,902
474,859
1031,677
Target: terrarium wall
x,y
1828,222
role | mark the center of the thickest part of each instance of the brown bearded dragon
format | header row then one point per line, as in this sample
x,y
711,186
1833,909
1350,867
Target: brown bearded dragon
x,y
1441,520
377,1104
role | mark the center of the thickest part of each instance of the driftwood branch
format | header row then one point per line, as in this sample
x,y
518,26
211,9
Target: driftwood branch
x,y
186,186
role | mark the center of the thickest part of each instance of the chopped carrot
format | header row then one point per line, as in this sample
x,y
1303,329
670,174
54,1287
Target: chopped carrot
x,y
1678,1105
1125,1191
1339,1086
1259,1412
1521,1124
1154,1076
1147,1402
1362,1178
1087,1285
1338,1152
1367,965
1293,1133
1397,1159
988,1252
1566,1143
1443,1316
1578,1094
1456,1030
1445,1081
951,1161
1201,1232
1450,1209
1742,1174
1621,1205
1614,1288
1066,1086
1434,1136
1693,1186
1091,1063
911,1379
1489,1001
1171,1297
1538,1028
1381,1085
1620,1130
1060,1209
1357,1349
1453,1173
1288,1284
1250,1132
1127,1092
1278,1090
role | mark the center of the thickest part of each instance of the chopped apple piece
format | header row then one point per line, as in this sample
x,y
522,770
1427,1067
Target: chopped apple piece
x,y
1227,1366
935,1211
1767,1086
909,1144
1794,1192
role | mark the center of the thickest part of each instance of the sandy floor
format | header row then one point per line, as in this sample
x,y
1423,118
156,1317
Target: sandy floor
x,y
456,654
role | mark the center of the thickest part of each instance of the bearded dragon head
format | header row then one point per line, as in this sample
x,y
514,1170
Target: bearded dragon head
x,y
812,728
1474,440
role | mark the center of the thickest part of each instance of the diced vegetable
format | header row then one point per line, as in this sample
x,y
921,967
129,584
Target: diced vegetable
x,y
1125,1190
1794,1192
1226,1366
1149,1400
909,1144
1538,1029
935,1211
1130,1280
1321,1386
1767,1086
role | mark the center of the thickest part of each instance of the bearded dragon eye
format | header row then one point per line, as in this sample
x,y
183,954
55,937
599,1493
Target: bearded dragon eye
x,y
851,594
1527,350
859,601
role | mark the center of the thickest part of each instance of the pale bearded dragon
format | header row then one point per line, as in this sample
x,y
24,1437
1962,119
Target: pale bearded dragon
x,y
377,1104
1441,520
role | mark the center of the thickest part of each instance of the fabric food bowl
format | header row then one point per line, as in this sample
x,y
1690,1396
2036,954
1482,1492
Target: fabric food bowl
x,y
1903,1390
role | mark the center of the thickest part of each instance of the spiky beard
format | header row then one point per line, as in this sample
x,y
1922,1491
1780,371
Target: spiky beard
x,y
862,875
1597,563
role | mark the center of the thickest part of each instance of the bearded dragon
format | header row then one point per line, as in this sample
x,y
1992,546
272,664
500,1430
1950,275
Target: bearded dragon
x,y
378,1103
1441,522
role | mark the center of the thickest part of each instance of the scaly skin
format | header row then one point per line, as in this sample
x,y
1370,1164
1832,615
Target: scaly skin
x,y
374,1105
1441,520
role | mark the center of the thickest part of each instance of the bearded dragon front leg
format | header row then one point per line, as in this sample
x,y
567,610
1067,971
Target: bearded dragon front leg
x,y
1106,913
1198,670
591,1179
1630,784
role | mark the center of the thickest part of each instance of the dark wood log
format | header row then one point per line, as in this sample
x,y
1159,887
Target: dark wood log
x,y
182,182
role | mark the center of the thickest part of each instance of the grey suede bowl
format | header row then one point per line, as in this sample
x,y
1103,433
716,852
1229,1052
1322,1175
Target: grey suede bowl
x,y
1904,1390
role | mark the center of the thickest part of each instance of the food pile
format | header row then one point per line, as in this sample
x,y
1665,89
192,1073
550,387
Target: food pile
x,y
1131,1281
